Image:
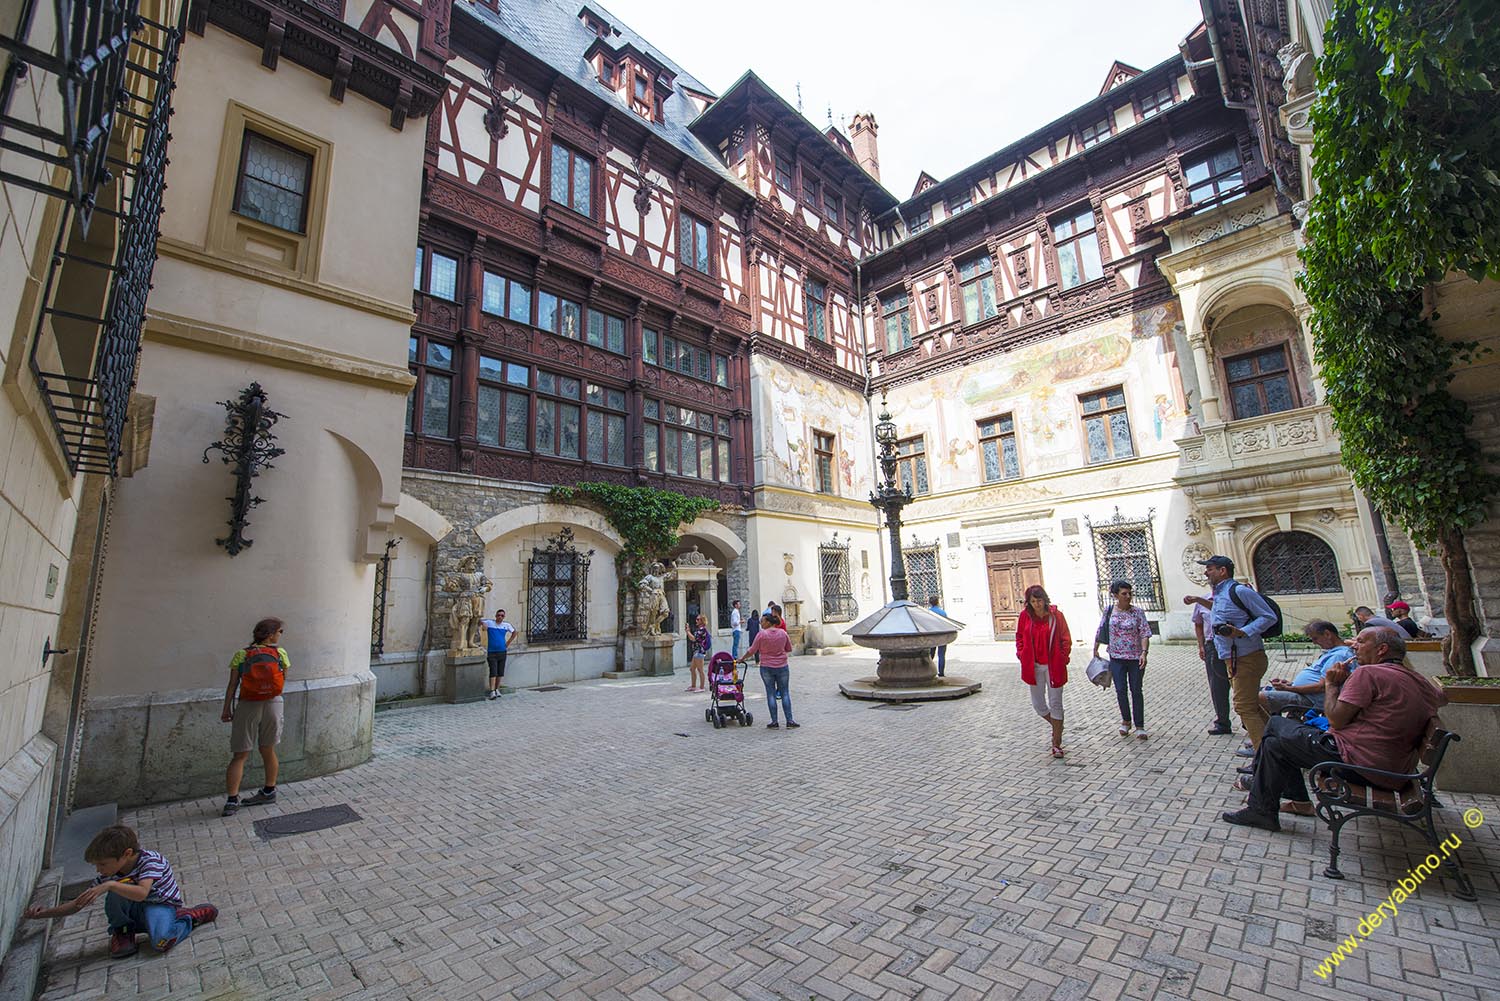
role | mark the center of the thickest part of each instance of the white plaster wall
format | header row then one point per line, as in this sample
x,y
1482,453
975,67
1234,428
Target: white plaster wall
x,y
776,539
406,597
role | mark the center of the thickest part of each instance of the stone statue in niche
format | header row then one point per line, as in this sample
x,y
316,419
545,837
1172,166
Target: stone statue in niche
x,y
651,604
468,587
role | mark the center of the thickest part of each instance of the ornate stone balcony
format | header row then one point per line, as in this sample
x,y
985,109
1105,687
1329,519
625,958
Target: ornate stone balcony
x,y
1259,444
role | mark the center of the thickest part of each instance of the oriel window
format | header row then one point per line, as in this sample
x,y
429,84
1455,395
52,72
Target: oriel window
x,y
1260,382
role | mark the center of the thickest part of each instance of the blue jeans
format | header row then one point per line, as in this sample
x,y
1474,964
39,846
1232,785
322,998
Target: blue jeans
x,y
777,681
940,654
735,649
1123,672
158,920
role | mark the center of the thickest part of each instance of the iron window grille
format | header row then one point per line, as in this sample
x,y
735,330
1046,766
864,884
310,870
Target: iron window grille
x,y
557,578
84,356
1296,563
382,598
90,56
838,593
924,577
1125,549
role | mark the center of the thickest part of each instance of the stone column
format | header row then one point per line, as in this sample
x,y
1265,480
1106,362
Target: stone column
x,y
1208,393
1225,544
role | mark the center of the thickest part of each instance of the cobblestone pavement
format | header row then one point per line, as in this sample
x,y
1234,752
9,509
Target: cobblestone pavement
x,y
603,841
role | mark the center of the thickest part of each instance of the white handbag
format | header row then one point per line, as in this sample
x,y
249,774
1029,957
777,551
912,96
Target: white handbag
x,y
1098,671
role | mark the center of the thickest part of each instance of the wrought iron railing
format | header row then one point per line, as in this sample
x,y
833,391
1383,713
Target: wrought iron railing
x,y
88,407
89,59
838,591
382,598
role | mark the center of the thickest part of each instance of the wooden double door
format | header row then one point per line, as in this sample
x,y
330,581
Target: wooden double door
x,y
1011,569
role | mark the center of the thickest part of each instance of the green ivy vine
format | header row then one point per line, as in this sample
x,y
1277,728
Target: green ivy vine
x,y
1406,133
646,518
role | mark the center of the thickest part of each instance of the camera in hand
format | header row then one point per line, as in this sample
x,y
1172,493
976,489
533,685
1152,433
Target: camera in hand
x,y
1224,629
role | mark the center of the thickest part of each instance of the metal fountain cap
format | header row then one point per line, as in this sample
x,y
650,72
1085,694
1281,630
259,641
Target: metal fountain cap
x,y
903,619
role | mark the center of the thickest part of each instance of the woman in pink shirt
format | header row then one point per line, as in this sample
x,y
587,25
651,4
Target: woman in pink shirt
x,y
773,645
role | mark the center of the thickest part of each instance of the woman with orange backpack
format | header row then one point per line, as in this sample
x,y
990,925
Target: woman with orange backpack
x,y
256,674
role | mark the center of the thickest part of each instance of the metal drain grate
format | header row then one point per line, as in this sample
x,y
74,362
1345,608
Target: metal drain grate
x,y
899,707
319,819
549,688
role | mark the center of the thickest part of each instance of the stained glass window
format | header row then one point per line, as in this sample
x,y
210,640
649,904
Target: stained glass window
x,y
273,183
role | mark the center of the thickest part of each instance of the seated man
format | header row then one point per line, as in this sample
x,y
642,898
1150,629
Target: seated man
x,y
1400,613
1376,717
1306,690
1369,620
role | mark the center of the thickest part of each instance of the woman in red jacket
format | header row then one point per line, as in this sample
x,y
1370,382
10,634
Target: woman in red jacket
x,y
1043,645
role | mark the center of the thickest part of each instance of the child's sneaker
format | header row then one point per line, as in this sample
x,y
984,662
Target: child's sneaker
x,y
121,944
231,806
164,945
203,914
262,796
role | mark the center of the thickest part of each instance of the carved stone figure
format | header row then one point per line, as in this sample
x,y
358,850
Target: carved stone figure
x,y
1298,68
468,588
651,604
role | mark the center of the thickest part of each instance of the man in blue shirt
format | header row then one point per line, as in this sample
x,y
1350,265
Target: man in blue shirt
x,y
941,652
1238,615
497,632
1306,690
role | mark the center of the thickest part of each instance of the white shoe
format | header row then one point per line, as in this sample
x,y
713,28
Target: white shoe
x,y
493,695
1124,729
1142,734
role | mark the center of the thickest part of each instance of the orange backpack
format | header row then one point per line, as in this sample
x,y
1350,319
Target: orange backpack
x,y
261,674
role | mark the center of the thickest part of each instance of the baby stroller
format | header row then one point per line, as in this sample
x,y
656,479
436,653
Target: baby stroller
x,y
726,693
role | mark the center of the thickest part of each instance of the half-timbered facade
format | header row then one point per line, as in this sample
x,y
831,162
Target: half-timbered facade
x,y
1058,424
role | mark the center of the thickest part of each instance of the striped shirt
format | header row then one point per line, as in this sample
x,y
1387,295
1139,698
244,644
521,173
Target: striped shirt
x,y
150,865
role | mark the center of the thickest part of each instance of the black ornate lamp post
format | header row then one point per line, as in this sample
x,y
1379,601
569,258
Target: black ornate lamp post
x,y
891,498
904,632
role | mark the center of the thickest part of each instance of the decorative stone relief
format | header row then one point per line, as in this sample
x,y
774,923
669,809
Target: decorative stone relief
x,y
1230,224
1250,441
1191,554
693,558
865,589
1075,550
1298,432
1327,516
1191,525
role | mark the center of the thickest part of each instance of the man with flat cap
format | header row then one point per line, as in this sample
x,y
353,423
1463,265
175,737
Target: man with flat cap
x,y
1238,616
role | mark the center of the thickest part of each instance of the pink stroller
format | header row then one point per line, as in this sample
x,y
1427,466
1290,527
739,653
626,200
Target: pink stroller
x,y
726,693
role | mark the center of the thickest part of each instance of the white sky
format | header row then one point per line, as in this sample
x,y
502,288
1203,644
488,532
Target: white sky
x,y
949,81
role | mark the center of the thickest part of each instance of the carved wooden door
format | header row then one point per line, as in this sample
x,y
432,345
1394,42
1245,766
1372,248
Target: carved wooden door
x,y
1011,569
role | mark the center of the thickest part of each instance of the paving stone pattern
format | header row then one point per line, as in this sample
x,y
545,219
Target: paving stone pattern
x,y
605,842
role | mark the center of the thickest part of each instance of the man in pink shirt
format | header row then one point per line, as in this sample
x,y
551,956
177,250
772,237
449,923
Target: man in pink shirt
x,y
1376,717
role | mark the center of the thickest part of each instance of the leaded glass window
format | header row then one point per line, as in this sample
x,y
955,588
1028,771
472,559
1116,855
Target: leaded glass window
x,y
911,465
997,448
976,276
273,183
1106,425
896,312
1260,382
1077,249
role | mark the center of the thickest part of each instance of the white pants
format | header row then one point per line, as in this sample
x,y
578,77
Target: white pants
x,y
1046,700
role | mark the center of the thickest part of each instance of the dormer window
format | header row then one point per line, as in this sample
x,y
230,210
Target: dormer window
x,y
607,74
641,101
960,202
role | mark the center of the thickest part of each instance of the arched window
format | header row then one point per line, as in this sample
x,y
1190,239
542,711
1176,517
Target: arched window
x,y
1296,563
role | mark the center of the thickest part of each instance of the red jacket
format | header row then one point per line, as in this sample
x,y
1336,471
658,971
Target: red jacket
x,y
1050,636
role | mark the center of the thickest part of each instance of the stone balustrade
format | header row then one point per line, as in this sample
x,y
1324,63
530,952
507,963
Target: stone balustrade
x,y
1302,434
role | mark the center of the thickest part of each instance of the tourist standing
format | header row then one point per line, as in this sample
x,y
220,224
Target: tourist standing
x,y
1238,617
256,675
939,653
1213,667
772,646
1043,645
734,629
497,640
701,643
1126,635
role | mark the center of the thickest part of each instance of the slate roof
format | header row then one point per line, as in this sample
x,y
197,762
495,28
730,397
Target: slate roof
x,y
551,31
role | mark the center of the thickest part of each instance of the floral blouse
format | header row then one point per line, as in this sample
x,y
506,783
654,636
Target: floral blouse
x,y
703,642
1129,633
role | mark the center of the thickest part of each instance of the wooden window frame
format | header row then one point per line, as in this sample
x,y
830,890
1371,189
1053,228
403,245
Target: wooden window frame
x,y
1106,411
556,399
909,464
821,331
421,367
896,306
1156,105
999,437
689,223
1074,240
507,304
508,388
825,477
1213,180
1096,132
978,281
574,157
241,177
919,222
1258,380
777,160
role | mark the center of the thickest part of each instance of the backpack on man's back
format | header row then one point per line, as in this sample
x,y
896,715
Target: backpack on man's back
x,y
1234,595
262,675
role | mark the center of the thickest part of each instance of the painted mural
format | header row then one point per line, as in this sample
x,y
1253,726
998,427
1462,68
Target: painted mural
x,y
1039,385
790,405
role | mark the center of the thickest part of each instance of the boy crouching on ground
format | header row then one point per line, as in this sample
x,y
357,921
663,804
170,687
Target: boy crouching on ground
x,y
140,895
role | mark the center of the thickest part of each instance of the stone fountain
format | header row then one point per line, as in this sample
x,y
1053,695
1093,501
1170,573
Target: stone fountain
x,y
903,631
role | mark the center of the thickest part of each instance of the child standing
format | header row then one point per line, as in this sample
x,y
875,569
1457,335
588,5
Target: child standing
x,y
140,894
257,674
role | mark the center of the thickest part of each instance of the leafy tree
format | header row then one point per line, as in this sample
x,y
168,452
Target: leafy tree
x,y
1407,147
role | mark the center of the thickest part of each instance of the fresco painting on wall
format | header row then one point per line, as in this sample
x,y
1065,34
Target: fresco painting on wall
x,y
799,402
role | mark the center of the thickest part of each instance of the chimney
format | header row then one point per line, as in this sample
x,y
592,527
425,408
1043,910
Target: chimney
x,y
863,129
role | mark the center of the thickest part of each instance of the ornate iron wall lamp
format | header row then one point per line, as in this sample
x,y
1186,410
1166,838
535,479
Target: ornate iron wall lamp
x,y
248,446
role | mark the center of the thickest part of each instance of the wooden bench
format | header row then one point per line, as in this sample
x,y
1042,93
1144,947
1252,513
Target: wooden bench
x,y
1341,795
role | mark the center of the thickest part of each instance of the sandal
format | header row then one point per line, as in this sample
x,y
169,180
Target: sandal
x,y
1242,783
1058,752
1297,809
